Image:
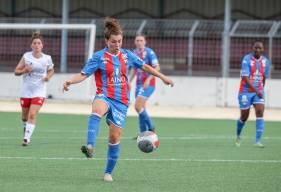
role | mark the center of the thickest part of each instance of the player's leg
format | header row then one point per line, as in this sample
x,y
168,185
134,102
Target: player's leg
x,y
99,108
139,106
144,118
259,109
115,118
113,150
25,104
36,104
244,104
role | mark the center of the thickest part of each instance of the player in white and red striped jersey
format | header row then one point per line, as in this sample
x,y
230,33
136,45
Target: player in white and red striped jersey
x,y
36,68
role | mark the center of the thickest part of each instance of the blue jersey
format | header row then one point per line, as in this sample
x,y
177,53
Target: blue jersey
x,y
149,58
111,73
256,70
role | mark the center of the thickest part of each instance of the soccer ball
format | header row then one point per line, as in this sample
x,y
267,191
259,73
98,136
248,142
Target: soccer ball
x,y
147,141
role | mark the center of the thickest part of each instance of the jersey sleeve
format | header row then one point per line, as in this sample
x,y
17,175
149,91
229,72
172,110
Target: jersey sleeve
x,y
153,58
91,66
267,65
134,60
50,64
245,70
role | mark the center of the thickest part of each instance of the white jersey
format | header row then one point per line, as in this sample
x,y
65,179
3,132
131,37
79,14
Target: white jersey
x,y
33,82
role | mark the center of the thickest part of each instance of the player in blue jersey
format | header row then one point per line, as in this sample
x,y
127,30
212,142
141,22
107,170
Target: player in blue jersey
x,y
110,67
254,71
145,83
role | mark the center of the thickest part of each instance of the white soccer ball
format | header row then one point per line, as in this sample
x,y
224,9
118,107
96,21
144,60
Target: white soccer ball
x,y
147,141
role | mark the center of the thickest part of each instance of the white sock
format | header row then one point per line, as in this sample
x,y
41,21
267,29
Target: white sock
x,y
28,131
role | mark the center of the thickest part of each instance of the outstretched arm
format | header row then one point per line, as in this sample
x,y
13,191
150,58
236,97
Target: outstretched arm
x,y
158,74
75,79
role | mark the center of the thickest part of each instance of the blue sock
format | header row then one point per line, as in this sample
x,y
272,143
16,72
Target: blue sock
x,y
148,121
112,157
239,126
259,129
93,129
142,119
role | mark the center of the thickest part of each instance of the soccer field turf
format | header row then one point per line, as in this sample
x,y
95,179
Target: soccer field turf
x,y
194,155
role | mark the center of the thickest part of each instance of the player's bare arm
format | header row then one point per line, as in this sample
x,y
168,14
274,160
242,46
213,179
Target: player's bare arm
x,y
132,74
22,68
147,81
156,73
50,73
248,82
75,79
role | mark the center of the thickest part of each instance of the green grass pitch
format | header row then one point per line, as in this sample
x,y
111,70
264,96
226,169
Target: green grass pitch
x,y
194,155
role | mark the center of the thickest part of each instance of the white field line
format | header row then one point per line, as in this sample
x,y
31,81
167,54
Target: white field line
x,y
199,137
156,160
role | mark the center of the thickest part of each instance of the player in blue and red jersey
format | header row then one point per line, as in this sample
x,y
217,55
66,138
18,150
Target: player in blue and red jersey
x,y
110,67
145,83
254,71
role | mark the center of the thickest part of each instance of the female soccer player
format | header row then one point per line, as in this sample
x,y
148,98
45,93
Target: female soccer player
x,y
145,83
253,74
110,67
37,68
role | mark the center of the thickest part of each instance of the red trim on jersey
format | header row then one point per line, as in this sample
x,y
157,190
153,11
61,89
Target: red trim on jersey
x,y
260,84
109,68
242,86
124,97
252,76
98,78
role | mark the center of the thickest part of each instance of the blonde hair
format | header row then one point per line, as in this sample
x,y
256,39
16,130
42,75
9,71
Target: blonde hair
x,y
112,27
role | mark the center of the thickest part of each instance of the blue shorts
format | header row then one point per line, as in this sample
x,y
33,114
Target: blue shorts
x,y
117,111
144,92
247,99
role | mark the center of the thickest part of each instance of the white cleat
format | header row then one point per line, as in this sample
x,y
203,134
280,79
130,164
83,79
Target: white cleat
x,y
237,142
107,177
259,144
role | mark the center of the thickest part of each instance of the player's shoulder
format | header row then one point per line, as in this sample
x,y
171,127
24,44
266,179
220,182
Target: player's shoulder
x,y
46,56
27,54
149,50
265,58
247,58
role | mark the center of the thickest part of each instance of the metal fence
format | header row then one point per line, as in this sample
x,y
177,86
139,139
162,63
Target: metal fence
x,y
184,47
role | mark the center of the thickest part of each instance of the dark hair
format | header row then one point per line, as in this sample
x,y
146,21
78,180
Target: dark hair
x,y
36,35
112,27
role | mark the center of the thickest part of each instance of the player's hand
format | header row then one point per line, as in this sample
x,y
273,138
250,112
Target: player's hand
x,y
46,79
66,86
27,68
168,81
259,94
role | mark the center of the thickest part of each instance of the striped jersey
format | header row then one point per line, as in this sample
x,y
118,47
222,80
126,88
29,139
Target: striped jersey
x,y
256,70
111,73
149,58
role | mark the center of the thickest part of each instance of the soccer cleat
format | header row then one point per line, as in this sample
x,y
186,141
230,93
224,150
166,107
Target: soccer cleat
x,y
88,152
107,177
237,142
259,144
25,142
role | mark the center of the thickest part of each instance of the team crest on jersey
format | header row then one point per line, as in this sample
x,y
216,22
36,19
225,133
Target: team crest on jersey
x,y
125,58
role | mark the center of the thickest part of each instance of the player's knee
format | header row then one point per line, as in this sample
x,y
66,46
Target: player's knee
x,y
138,107
259,113
244,117
32,116
114,138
